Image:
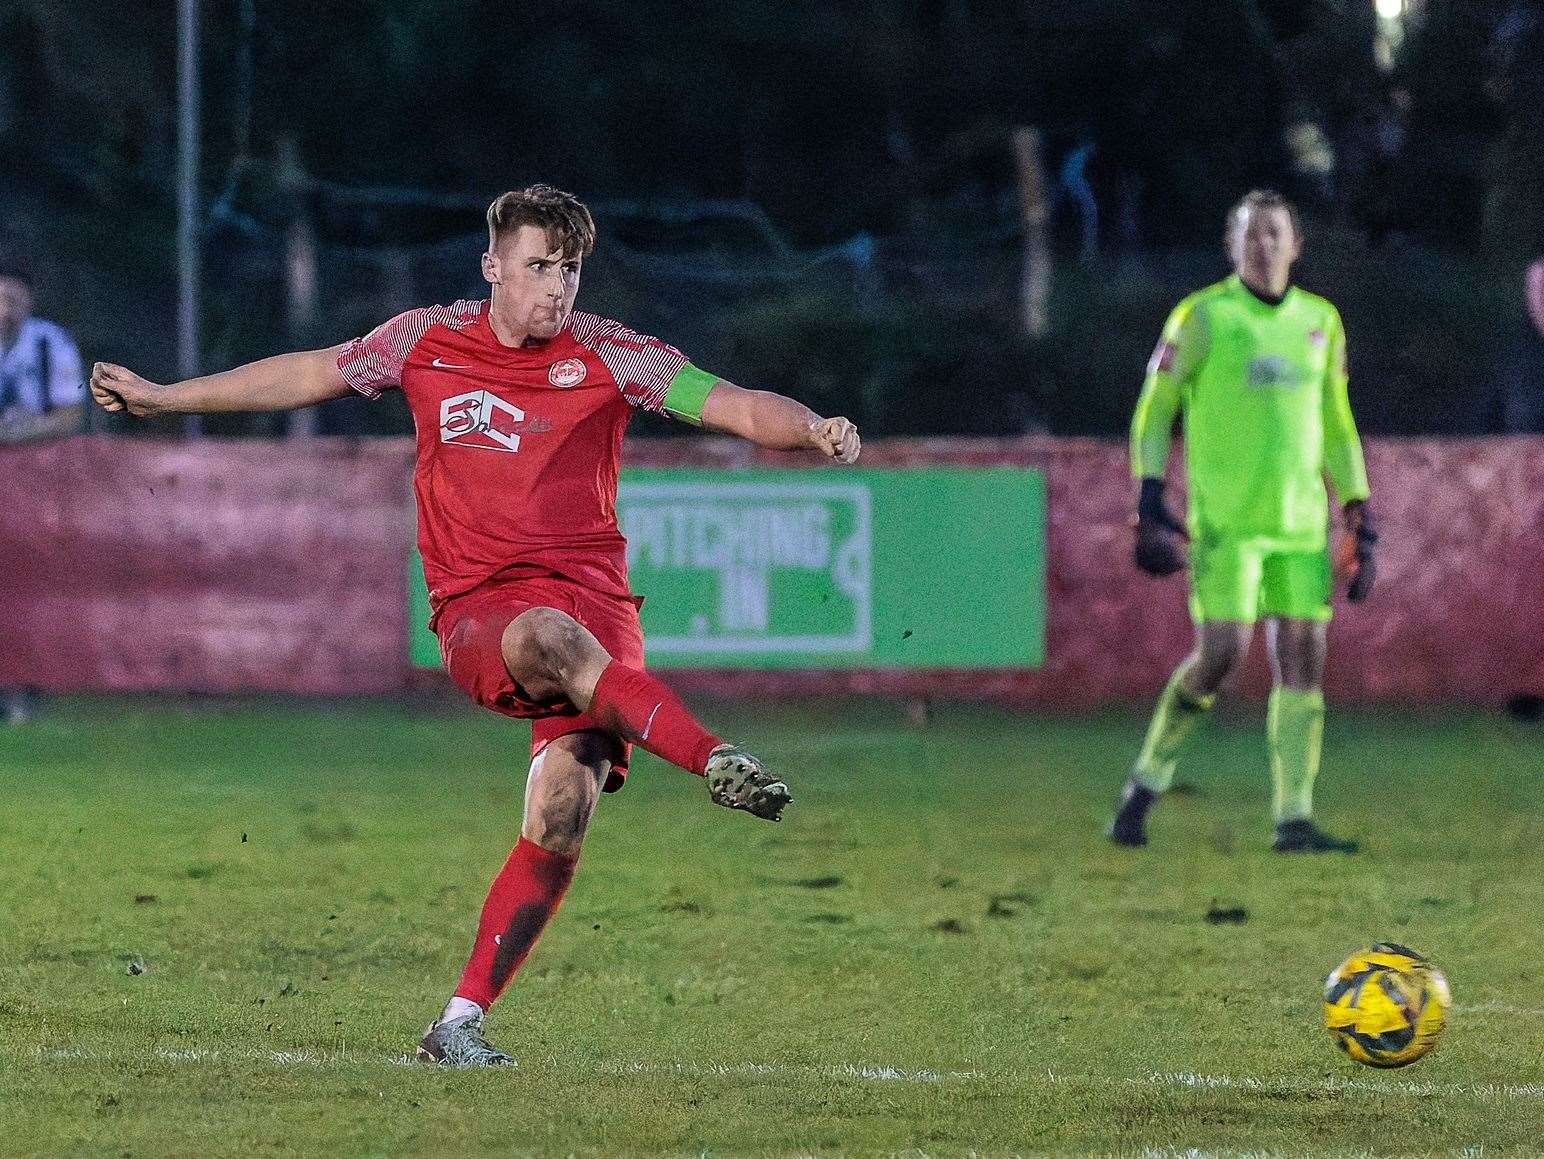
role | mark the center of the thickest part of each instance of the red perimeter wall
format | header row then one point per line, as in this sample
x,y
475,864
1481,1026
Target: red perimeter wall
x,y
271,566
130,564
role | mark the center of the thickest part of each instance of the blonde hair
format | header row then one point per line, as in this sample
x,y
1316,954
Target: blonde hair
x,y
567,223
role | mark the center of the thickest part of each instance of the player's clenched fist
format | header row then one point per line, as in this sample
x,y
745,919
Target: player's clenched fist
x,y
836,439
1161,537
117,389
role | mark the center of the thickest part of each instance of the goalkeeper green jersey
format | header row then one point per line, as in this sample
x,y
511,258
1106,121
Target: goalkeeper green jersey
x,y
1266,414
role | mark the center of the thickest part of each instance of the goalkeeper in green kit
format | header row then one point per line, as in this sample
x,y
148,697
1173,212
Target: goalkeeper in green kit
x,y
1257,366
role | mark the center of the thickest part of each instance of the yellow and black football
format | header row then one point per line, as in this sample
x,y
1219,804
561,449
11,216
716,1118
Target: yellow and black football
x,y
1386,1006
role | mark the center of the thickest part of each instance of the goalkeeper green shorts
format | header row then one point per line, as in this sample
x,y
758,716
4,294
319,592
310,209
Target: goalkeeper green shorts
x,y
1243,580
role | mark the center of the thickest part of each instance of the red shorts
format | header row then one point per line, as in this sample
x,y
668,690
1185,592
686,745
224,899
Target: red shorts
x,y
471,631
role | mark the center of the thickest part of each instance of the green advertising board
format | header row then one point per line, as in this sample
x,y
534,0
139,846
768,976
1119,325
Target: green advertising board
x,y
858,568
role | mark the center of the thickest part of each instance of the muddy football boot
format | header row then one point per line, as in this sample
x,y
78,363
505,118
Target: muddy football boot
x,y
1303,836
460,1042
737,780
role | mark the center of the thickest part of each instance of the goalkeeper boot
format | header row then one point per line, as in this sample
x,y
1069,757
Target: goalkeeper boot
x,y
1301,835
737,780
1130,825
459,1042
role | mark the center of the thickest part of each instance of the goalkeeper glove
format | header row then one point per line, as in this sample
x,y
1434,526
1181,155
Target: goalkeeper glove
x,y
1356,563
1160,535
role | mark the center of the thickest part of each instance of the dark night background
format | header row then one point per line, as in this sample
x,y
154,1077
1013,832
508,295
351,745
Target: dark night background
x,y
820,198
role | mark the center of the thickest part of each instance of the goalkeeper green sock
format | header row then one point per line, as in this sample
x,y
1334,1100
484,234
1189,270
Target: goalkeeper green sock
x,y
1178,714
1295,725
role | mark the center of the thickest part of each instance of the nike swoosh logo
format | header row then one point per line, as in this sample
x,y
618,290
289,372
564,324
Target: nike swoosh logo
x,y
448,365
652,715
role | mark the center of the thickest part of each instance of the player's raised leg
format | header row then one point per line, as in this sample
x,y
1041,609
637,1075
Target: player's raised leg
x,y
1295,729
1186,701
552,656
560,797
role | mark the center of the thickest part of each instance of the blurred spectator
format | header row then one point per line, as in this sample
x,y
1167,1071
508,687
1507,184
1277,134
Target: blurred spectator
x,y
1072,188
42,393
1379,198
1534,284
1523,405
42,387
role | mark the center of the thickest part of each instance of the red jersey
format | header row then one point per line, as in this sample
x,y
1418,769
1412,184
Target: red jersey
x,y
519,448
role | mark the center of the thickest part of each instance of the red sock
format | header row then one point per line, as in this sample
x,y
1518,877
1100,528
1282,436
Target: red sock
x,y
521,902
639,708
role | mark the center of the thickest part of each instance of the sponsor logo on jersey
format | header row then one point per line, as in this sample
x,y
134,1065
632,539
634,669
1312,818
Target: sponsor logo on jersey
x,y
567,372
440,364
1273,372
481,419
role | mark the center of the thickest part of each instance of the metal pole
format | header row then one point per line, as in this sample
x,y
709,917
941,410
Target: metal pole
x,y
189,362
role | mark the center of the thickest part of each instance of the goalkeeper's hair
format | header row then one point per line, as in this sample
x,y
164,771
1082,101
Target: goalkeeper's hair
x,y
567,223
1257,199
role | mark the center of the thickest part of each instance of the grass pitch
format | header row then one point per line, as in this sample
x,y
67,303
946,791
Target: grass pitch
x,y
224,926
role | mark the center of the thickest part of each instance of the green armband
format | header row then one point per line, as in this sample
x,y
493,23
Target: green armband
x,y
687,393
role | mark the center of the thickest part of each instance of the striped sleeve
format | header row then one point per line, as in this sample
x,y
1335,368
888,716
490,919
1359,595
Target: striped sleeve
x,y
373,363
644,367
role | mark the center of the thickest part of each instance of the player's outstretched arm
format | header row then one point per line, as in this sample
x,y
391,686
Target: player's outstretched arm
x,y
777,422
284,382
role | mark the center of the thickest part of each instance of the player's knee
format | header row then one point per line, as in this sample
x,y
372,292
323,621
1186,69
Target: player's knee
x,y
1221,654
1229,657
587,755
538,643
1300,651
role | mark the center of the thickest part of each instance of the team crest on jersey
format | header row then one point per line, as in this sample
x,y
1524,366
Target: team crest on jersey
x,y
480,419
1317,338
567,372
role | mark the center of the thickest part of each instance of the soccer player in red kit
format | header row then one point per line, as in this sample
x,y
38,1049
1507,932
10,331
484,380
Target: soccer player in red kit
x,y
520,404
